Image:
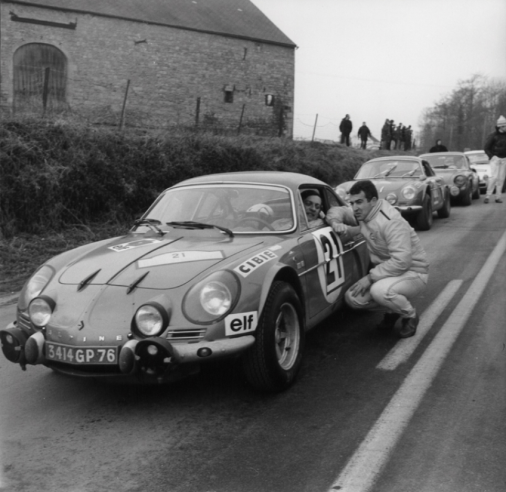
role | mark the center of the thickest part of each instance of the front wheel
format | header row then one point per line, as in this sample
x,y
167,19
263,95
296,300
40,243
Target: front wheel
x,y
444,211
476,192
467,199
424,217
274,360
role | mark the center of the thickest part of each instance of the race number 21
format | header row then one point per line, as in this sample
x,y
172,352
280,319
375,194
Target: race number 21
x,y
331,271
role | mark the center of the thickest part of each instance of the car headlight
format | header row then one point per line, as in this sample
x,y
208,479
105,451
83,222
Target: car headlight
x,y
213,298
460,180
391,198
150,319
35,286
408,193
40,310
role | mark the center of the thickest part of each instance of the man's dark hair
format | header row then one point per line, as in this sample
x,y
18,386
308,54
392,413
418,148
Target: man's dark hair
x,y
367,187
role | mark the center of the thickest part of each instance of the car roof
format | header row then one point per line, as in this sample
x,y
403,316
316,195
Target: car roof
x,y
441,153
474,152
292,180
395,158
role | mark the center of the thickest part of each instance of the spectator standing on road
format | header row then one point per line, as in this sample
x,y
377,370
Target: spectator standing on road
x,y
364,133
398,137
386,135
439,147
407,138
399,264
495,148
345,128
392,135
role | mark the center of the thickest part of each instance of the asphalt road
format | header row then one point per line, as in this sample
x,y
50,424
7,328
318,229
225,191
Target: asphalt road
x,y
368,412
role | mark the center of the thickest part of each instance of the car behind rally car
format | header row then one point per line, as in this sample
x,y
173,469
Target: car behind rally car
x,y
409,184
219,266
455,169
479,160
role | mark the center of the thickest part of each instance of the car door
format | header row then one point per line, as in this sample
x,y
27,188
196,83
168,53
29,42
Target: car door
x,y
331,265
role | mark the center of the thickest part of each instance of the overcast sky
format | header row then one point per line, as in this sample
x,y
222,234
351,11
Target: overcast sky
x,y
378,59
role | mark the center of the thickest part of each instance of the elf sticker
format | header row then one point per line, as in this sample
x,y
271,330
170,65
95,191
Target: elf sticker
x,y
239,323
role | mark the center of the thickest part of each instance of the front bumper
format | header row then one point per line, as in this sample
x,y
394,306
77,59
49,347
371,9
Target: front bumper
x,y
408,209
155,357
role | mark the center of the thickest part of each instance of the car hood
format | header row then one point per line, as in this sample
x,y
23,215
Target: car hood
x,y
449,174
169,261
384,186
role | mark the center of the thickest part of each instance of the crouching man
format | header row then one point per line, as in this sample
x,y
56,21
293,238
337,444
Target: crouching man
x,y
400,268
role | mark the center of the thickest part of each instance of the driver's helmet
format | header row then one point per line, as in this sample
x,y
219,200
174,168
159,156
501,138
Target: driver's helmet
x,y
261,210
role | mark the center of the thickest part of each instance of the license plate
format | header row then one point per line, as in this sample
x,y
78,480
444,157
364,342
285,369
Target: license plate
x,y
84,355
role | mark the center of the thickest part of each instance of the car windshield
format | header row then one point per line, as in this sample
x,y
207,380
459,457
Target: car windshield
x,y
237,207
480,158
446,161
390,168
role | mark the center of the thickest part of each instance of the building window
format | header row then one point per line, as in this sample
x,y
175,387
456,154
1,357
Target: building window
x,y
229,94
40,78
269,99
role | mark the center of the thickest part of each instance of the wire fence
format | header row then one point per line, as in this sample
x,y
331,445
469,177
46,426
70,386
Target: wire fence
x,y
44,93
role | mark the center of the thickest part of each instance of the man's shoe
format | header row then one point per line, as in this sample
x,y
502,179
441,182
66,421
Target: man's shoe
x,y
486,200
498,200
388,322
408,327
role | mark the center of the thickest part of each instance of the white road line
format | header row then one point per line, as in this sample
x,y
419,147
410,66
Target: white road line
x,y
366,464
405,347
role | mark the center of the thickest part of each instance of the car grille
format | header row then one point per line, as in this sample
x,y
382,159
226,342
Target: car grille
x,y
24,322
186,335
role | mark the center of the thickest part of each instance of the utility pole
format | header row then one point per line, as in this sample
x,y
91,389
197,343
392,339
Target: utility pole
x,y
314,129
122,119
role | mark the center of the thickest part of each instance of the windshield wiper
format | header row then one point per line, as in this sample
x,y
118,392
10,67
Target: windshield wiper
x,y
385,173
151,223
200,225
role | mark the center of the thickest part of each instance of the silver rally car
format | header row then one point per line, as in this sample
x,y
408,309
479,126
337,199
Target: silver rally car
x,y
221,265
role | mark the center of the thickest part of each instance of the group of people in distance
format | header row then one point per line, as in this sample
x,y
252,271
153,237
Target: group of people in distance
x,y
398,137
399,267
393,137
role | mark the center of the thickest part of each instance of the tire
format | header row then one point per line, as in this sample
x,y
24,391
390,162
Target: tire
x,y
274,360
444,211
467,199
424,218
476,193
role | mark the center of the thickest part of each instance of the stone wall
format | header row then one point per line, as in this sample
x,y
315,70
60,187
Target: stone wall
x,y
172,72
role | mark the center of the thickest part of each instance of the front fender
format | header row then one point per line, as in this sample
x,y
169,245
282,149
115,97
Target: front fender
x,y
286,274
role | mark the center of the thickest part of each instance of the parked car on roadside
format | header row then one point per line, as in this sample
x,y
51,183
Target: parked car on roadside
x,y
409,184
479,160
224,265
455,169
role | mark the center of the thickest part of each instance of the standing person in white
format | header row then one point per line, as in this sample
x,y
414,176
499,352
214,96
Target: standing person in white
x,y
495,148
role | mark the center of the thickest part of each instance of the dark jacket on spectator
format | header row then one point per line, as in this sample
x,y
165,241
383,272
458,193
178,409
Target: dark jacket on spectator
x,y
364,132
495,145
346,126
438,147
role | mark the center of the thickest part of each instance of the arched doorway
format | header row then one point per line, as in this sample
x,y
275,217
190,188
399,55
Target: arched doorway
x,y
40,79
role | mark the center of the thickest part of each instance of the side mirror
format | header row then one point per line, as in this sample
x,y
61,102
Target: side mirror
x,y
423,177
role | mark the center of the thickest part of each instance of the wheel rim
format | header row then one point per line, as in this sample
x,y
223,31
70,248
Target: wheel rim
x,y
287,336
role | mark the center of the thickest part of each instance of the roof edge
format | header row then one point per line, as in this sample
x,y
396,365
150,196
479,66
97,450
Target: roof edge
x,y
217,33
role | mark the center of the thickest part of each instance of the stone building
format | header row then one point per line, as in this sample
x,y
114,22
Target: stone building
x,y
154,63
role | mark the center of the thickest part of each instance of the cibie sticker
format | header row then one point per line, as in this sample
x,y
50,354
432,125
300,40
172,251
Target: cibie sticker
x,y
180,257
249,266
133,244
239,323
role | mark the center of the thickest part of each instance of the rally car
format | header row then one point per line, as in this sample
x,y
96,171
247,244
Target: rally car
x,y
224,265
456,170
409,184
